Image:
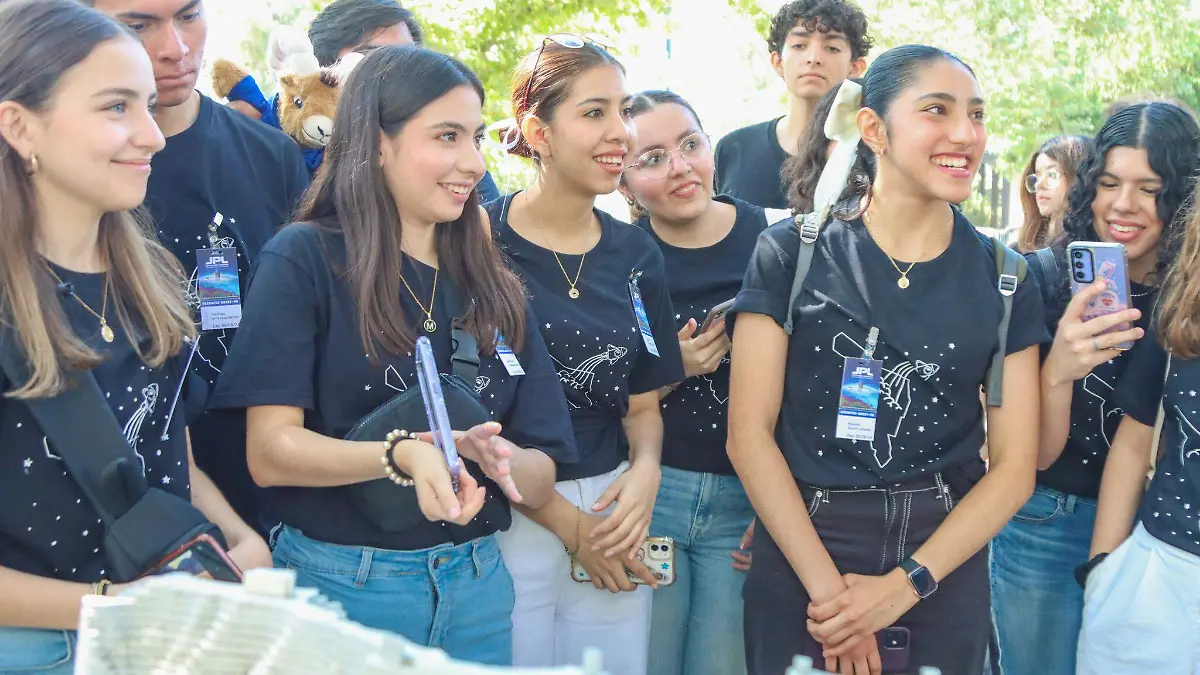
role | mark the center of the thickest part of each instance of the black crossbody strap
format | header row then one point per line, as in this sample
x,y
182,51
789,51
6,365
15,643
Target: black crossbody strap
x,y
465,357
81,429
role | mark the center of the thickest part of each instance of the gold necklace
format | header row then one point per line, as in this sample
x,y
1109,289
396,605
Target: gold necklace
x,y
573,292
903,281
106,331
430,325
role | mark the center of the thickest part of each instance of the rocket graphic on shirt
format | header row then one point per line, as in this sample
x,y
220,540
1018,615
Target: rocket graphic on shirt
x,y
581,377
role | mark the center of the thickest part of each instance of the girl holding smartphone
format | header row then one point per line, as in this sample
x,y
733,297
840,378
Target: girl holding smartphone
x,y
601,296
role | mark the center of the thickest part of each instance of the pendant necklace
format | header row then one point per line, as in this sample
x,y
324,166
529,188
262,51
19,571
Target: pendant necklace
x,y
573,291
106,331
429,325
903,281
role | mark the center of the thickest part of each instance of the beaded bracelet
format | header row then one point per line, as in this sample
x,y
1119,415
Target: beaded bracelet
x,y
394,473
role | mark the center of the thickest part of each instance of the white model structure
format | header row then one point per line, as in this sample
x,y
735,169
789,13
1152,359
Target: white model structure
x,y
180,625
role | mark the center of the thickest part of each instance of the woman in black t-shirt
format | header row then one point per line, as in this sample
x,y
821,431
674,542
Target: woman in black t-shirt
x,y
83,293
1129,191
390,249
857,435
706,243
601,296
1142,595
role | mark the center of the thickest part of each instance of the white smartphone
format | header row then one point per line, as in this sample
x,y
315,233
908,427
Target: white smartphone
x,y
657,553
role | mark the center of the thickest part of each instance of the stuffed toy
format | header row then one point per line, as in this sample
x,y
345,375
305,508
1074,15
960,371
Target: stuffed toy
x,y
304,106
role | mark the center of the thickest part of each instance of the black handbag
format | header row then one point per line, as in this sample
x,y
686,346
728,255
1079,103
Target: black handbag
x,y
392,508
142,524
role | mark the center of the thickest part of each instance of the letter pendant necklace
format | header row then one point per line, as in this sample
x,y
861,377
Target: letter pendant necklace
x,y
429,325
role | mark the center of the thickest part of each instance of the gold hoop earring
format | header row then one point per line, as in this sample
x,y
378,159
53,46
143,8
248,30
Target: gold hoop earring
x,y
33,165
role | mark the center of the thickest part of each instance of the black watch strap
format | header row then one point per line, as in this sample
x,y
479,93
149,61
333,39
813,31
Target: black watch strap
x,y
921,578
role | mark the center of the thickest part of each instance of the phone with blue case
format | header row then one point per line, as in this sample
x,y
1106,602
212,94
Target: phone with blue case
x,y
435,406
1090,261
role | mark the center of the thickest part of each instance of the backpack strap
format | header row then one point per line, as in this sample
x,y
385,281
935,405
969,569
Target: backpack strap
x,y
1010,272
809,230
1048,265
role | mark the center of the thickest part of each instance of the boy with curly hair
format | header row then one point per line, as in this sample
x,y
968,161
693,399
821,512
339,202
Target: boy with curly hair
x,y
815,45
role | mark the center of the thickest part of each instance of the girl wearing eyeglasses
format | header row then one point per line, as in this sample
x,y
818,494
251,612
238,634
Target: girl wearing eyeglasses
x,y
1131,189
600,293
1048,177
706,242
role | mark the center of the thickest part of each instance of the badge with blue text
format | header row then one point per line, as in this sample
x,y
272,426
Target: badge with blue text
x,y
858,401
506,356
219,288
639,310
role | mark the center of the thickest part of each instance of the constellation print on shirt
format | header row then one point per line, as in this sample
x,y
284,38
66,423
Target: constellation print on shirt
x,y
580,378
481,383
712,389
390,376
1185,435
1100,390
895,388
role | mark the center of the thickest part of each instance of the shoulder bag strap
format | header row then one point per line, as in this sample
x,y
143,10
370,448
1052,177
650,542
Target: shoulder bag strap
x,y
464,360
810,229
1010,272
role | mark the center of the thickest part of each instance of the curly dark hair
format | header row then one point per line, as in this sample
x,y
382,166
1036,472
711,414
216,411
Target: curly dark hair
x,y
802,170
1171,138
822,16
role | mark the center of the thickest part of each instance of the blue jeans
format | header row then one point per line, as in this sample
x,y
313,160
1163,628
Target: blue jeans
x,y
1037,606
456,598
696,623
35,651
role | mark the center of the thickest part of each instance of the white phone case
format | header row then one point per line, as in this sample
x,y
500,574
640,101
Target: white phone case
x,y
658,553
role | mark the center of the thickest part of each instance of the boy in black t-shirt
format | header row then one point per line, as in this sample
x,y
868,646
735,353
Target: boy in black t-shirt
x,y
815,45
215,161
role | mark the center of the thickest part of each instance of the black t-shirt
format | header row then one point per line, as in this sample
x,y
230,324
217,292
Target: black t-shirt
x,y
936,341
594,340
299,345
749,163
254,176
1171,505
47,526
694,428
1094,414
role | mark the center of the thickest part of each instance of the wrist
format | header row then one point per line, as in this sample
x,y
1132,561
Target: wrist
x,y
1053,378
919,579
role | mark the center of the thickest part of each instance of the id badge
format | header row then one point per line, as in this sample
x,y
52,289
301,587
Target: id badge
x,y
506,356
858,402
219,288
639,310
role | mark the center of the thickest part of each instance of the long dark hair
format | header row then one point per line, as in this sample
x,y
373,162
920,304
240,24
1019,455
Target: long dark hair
x,y
894,71
802,170
1171,139
1038,231
40,41
349,196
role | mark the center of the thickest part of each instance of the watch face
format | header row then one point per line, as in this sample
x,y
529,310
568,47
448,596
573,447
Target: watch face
x,y
922,580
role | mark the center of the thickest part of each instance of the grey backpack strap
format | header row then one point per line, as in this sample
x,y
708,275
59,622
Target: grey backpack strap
x,y
1010,271
809,230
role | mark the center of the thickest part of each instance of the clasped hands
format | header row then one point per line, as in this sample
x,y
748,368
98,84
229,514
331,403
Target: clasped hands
x,y
845,625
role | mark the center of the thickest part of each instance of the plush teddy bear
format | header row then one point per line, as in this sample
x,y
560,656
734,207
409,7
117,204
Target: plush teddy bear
x,y
304,106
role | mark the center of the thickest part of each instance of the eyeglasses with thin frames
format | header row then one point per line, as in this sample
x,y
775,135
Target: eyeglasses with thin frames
x,y
568,40
1051,178
656,164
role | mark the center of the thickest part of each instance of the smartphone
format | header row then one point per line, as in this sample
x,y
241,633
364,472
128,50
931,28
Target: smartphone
x,y
657,553
1094,260
893,648
435,406
716,314
201,555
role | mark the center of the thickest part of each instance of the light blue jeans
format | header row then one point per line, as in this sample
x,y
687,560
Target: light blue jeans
x,y
696,623
1036,603
456,598
34,651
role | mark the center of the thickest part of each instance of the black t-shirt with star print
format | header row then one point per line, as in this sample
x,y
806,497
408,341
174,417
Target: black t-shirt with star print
x,y
254,176
936,340
594,341
1094,415
47,526
1170,509
299,346
701,278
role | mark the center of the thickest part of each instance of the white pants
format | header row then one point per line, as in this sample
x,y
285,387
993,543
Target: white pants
x,y
555,618
1141,611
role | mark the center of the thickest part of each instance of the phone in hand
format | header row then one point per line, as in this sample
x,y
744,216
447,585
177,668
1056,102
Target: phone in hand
x,y
200,555
435,406
657,553
1092,261
716,314
893,644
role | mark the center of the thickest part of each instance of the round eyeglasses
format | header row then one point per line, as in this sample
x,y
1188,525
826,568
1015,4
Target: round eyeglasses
x,y
1051,179
656,164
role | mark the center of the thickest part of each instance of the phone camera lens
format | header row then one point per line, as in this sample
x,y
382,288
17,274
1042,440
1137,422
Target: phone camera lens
x,y
1078,254
1078,265
653,547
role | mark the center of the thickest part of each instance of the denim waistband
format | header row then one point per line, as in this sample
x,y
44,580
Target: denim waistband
x,y
1069,501
473,556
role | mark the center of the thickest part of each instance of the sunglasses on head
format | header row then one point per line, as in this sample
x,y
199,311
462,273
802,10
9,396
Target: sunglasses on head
x,y
568,40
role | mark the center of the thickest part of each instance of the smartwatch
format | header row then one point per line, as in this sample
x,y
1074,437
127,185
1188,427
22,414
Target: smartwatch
x,y
1082,572
921,579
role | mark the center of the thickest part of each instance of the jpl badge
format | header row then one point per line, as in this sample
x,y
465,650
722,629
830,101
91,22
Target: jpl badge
x,y
858,403
219,288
